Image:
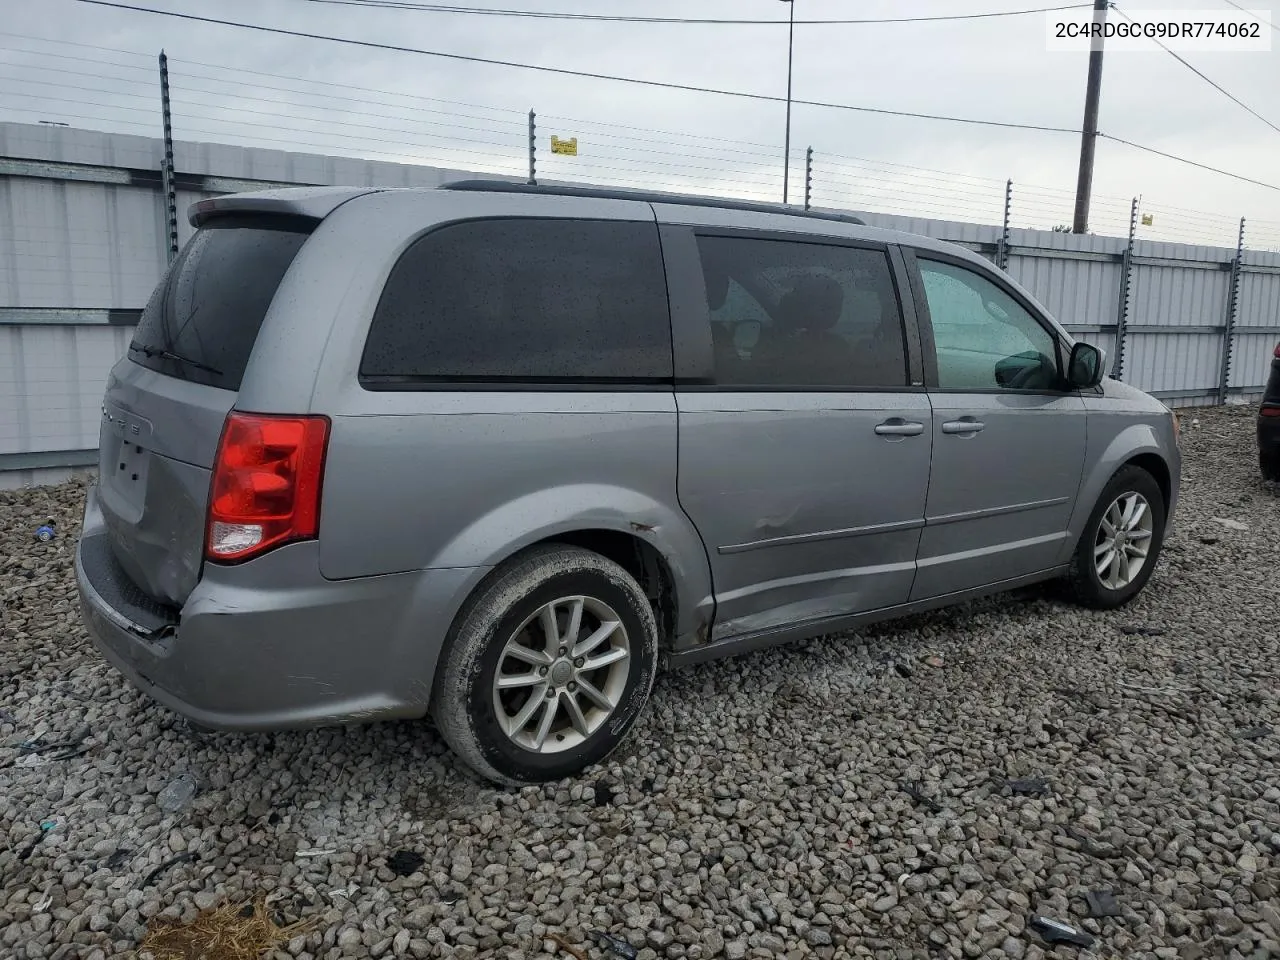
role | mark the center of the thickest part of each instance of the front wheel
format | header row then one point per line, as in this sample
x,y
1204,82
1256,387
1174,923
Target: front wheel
x,y
1121,542
550,664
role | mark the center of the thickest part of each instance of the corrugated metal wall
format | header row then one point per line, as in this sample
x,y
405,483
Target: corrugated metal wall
x,y
1174,362
1259,308
1084,291
82,244
70,244
1259,298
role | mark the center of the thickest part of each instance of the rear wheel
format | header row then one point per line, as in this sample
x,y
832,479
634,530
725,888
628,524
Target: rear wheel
x,y
1121,542
549,665
1269,462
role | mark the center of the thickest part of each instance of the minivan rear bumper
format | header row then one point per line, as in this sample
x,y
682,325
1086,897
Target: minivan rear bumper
x,y
271,644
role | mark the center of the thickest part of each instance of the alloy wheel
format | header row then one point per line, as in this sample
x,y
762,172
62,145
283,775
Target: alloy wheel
x,y
561,674
1123,540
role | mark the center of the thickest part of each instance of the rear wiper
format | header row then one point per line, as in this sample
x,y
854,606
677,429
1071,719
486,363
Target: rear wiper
x,y
170,355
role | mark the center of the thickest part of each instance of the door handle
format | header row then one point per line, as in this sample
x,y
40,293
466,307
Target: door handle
x,y
965,426
897,427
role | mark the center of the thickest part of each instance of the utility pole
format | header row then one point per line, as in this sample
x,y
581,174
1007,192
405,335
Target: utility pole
x,y
786,159
1089,133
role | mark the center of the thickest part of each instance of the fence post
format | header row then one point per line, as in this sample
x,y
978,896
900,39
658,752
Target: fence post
x,y
808,177
1002,245
166,165
1122,304
533,148
1229,327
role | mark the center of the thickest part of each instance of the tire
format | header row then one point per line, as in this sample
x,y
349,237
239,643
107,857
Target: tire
x,y
506,613
1269,464
1087,586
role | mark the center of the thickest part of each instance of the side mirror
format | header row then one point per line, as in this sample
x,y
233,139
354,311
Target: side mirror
x,y
1085,367
1030,370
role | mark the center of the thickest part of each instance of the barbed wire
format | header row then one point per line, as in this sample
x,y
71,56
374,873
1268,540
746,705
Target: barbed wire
x,y
108,88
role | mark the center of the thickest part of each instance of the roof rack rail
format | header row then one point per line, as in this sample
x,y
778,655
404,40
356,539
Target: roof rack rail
x,y
651,196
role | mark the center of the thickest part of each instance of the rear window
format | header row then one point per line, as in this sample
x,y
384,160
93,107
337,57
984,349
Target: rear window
x,y
203,318
524,300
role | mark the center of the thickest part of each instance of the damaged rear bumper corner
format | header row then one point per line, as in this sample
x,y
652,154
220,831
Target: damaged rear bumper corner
x,y
278,647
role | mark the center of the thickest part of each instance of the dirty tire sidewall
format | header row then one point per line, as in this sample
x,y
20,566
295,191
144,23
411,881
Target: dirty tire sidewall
x,y
1269,461
463,698
1086,586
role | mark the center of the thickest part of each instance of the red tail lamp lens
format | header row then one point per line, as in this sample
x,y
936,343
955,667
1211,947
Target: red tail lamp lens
x,y
266,484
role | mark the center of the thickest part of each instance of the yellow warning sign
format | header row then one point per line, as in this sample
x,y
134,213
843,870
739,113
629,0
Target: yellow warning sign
x,y
1148,219
567,147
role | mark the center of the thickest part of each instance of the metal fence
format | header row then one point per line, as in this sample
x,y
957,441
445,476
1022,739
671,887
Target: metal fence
x,y
116,90
88,221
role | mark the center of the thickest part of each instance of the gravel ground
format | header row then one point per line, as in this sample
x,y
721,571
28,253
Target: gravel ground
x,y
763,808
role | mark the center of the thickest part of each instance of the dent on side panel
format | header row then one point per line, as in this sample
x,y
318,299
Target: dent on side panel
x,y
832,592
468,479
806,512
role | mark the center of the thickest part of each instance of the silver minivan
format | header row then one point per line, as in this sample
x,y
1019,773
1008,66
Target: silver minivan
x,y
497,452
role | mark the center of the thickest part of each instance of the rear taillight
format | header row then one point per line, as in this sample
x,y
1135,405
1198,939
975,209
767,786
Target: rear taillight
x,y
266,484
1276,352
1270,411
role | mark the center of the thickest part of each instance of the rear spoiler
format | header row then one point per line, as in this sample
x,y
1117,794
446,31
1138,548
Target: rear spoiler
x,y
310,203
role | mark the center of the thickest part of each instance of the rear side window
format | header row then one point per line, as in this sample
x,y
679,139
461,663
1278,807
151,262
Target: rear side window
x,y
803,316
527,300
203,318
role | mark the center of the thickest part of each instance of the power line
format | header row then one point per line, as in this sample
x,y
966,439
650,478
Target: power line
x,y
438,130
665,85
888,163
1273,26
913,180
149,96
1202,166
182,88
150,68
565,71
26,94
87,46
184,63
1226,93
616,18
331,130
184,93
666,133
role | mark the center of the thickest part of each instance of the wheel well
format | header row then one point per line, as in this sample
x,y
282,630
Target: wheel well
x,y
1159,471
640,559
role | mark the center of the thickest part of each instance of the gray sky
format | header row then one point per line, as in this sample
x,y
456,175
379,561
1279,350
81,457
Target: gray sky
x,y
995,69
